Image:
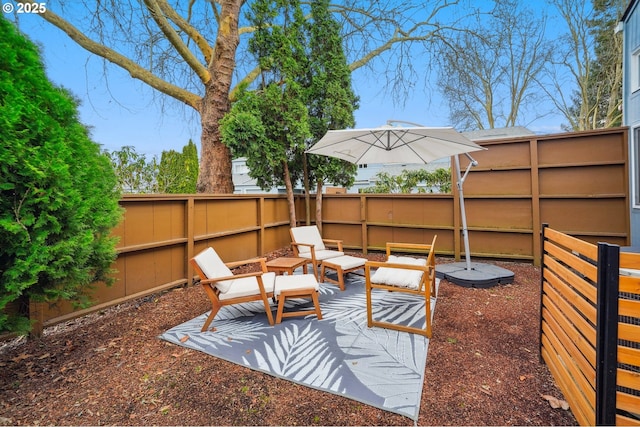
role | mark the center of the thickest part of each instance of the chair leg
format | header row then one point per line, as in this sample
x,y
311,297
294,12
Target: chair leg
x,y
214,311
340,274
368,295
267,308
280,308
316,303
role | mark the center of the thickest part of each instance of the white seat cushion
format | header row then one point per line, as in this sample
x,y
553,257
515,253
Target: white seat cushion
x,y
322,254
310,235
212,266
295,281
247,286
347,262
399,277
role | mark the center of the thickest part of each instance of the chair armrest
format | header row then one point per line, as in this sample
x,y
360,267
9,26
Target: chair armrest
x,y
378,264
411,246
335,242
312,249
296,244
233,277
235,264
261,260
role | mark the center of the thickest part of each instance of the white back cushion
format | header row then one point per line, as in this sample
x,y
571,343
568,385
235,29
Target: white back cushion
x,y
308,234
398,277
212,267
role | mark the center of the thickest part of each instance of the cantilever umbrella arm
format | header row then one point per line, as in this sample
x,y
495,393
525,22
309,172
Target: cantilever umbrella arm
x,y
460,183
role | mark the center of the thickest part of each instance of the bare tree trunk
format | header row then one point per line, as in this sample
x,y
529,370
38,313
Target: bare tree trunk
x,y
319,206
215,159
307,196
290,199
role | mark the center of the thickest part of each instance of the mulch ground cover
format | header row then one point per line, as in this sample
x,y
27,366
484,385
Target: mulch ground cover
x,y
483,368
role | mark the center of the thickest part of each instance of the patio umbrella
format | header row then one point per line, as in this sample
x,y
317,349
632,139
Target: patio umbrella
x,y
392,144
406,145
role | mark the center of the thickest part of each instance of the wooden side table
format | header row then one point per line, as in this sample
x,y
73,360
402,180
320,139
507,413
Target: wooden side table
x,y
287,265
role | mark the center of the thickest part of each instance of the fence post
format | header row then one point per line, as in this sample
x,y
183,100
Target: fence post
x,y
607,333
190,231
36,316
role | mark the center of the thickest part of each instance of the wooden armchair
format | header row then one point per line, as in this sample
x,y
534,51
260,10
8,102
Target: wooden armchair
x,y
308,243
224,288
414,276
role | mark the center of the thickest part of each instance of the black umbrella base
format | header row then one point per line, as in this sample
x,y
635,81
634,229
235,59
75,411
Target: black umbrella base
x,y
480,276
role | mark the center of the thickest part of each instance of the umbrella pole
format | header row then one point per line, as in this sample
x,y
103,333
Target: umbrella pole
x,y
463,212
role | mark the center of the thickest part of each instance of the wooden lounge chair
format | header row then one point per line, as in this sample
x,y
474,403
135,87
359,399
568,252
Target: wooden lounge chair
x,y
308,243
415,276
225,288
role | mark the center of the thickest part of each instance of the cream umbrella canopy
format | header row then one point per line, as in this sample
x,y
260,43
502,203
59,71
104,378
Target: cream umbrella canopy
x,y
392,144
407,145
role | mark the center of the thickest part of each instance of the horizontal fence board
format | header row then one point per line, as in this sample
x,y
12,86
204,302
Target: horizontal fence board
x,y
630,308
628,402
604,179
621,420
629,355
629,260
630,285
628,332
588,214
626,421
629,379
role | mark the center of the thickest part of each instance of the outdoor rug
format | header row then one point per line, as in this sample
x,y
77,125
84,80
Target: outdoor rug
x,y
338,354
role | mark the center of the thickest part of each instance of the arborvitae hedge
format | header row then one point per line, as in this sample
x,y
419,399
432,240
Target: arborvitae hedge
x,y
58,192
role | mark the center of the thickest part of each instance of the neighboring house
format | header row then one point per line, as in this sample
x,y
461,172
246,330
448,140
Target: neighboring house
x,y
244,184
498,133
630,25
366,176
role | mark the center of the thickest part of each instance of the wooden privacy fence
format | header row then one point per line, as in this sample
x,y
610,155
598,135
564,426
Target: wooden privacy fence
x,y
577,181
160,233
590,327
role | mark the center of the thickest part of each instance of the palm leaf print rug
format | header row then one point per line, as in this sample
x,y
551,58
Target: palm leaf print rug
x,y
338,354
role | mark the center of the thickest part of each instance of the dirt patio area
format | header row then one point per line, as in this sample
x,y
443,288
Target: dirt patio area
x,y
483,368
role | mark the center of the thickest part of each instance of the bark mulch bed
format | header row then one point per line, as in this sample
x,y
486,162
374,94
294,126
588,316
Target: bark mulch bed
x,y
483,368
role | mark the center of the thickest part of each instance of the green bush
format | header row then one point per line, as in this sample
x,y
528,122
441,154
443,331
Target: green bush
x,y
58,192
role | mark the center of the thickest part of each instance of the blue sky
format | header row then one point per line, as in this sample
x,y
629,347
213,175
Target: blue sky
x,y
122,111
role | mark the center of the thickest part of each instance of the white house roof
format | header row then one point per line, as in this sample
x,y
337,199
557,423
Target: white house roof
x,y
512,132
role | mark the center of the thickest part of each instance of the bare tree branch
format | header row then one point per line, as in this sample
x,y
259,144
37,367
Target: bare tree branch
x,y
135,70
191,32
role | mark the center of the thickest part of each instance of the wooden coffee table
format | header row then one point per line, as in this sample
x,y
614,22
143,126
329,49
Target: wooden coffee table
x,y
287,265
